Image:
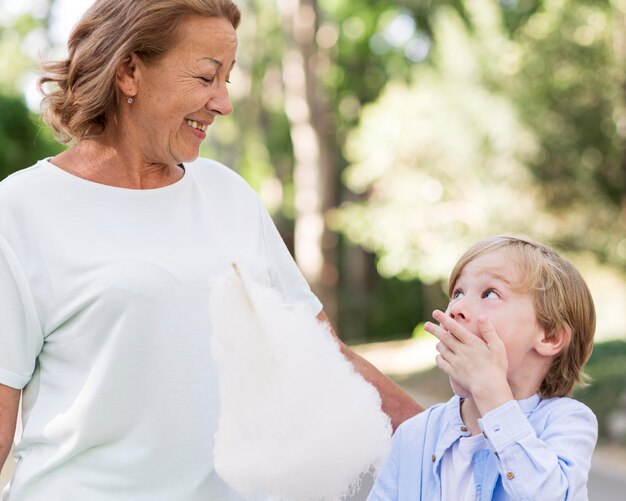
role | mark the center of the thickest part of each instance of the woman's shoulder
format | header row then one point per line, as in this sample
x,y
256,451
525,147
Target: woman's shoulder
x,y
216,174
22,183
23,177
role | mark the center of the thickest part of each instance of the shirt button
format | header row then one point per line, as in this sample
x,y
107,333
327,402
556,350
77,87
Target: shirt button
x,y
510,475
434,458
463,428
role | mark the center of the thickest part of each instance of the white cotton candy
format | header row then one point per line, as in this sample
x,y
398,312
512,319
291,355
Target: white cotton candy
x,y
296,421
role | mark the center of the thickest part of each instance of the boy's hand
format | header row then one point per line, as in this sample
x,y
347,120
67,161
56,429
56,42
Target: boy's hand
x,y
478,363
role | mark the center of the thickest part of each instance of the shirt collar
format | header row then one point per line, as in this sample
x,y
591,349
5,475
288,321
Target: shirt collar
x,y
528,405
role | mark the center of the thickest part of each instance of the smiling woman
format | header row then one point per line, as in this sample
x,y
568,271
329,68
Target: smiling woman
x,y
178,97
107,252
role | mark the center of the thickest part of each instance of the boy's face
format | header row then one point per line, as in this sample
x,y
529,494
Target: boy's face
x,y
487,286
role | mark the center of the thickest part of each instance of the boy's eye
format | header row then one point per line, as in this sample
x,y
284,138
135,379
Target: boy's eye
x,y
490,294
457,294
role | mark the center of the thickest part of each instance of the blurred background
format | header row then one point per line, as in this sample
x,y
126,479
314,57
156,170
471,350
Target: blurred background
x,y
387,136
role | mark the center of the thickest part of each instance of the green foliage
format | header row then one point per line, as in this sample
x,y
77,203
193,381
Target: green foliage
x,y
20,42
23,140
441,161
23,137
511,128
607,369
458,118
570,90
395,309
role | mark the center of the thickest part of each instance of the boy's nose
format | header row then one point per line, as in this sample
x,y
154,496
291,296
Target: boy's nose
x,y
458,310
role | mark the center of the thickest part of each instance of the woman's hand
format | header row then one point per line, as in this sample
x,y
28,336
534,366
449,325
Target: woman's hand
x,y
478,362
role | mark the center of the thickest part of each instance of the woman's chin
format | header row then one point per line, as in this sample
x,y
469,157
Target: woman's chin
x,y
459,390
184,152
187,156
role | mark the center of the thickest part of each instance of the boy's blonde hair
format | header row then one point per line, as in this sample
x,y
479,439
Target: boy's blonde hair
x,y
561,299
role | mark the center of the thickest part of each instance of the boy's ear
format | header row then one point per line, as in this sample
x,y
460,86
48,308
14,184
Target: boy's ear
x,y
127,74
553,345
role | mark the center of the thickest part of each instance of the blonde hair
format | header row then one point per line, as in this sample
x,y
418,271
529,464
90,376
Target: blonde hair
x,y
85,89
561,299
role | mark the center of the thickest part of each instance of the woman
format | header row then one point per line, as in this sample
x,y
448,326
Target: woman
x,y
106,251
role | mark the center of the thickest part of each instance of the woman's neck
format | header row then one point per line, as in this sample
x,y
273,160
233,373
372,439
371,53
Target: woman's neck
x,y
100,162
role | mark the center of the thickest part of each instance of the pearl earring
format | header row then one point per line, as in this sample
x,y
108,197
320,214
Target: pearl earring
x,y
129,100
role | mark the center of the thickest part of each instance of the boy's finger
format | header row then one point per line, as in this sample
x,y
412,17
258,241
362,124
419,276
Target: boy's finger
x,y
443,365
440,333
443,349
488,331
453,327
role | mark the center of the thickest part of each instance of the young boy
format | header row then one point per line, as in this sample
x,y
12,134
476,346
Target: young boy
x,y
513,341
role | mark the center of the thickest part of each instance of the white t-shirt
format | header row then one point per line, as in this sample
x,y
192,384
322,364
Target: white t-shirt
x,y
104,322
457,476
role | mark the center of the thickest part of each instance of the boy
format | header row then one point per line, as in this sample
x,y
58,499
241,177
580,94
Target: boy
x,y
513,341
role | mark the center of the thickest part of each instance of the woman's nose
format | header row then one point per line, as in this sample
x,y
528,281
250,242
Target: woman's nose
x,y
220,103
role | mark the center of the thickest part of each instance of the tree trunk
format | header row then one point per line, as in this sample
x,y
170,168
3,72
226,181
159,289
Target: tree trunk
x,y
312,139
619,47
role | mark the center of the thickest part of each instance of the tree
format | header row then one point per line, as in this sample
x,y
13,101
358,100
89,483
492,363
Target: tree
x,y
23,139
484,141
311,128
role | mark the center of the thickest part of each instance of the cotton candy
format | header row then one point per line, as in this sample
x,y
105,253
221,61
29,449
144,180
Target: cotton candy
x,y
296,421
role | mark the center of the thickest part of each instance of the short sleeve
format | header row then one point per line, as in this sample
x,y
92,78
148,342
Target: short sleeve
x,y
21,337
285,274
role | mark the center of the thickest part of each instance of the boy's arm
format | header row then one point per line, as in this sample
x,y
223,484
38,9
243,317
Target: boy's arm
x,y
551,463
395,402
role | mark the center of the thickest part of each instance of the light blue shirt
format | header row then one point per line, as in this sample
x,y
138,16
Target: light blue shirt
x,y
537,449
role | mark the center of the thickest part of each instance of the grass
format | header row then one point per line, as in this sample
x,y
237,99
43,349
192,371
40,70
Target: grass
x,y
607,369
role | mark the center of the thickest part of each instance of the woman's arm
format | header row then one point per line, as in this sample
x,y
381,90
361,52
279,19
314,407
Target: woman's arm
x,y
395,402
9,403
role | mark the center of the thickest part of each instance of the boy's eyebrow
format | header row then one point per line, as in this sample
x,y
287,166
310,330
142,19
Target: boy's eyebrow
x,y
492,274
499,276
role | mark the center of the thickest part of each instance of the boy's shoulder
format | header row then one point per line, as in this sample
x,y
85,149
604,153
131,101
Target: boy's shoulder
x,y
562,407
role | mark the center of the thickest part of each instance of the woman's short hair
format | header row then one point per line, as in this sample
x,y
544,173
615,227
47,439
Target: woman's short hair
x,y
561,299
84,86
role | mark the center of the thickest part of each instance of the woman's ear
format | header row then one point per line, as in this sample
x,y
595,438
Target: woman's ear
x,y
127,75
553,345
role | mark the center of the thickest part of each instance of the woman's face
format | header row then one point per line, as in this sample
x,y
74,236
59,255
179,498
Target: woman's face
x,y
180,95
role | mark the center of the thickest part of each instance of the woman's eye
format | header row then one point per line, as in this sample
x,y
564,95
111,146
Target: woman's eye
x,y
490,294
207,80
